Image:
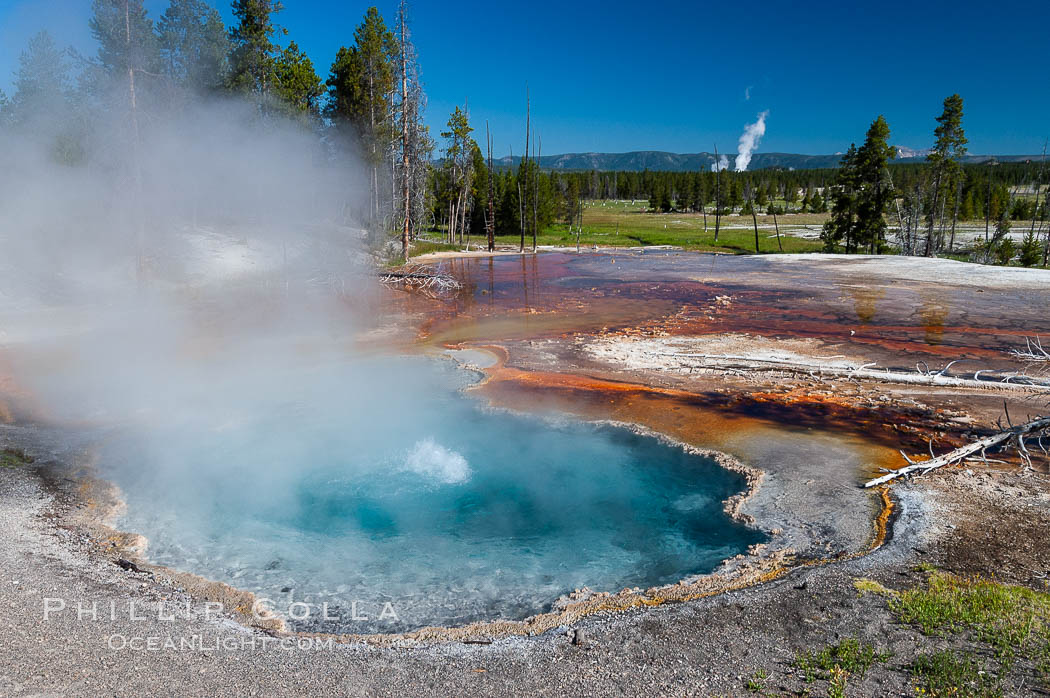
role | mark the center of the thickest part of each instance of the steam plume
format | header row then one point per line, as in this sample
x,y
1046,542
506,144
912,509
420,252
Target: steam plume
x,y
749,141
722,164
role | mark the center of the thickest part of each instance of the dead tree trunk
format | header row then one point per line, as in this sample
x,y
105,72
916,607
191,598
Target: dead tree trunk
x,y
959,454
405,165
136,164
754,218
955,214
780,246
464,207
718,198
988,206
1046,242
521,219
490,223
536,195
940,227
525,169
933,215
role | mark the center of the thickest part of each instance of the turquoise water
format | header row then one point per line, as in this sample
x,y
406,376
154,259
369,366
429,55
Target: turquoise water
x,y
378,482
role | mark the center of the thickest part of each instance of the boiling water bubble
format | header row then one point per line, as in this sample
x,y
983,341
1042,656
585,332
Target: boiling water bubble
x,y
432,460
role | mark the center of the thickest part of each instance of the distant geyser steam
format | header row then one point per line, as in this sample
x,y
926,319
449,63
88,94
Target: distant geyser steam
x,y
749,141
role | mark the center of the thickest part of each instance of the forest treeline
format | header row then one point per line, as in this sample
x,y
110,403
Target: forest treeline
x,y
369,109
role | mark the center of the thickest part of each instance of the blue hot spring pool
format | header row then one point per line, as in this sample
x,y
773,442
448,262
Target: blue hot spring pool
x,y
362,483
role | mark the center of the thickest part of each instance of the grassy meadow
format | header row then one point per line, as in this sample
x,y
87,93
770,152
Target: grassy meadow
x,y
630,224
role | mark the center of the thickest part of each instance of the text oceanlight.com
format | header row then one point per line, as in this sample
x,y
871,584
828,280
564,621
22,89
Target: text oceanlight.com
x,y
199,643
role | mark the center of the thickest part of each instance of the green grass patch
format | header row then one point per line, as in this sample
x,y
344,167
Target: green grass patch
x,y
14,458
850,657
756,684
629,224
1013,620
949,674
863,585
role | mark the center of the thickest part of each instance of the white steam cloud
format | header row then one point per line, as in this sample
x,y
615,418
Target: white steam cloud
x,y
722,164
749,141
181,282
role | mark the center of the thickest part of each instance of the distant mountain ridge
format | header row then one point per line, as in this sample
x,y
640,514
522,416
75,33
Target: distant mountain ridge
x,y
639,160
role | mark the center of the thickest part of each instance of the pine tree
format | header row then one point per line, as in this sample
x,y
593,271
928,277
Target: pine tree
x,y
41,83
874,190
948,149
760,196
1031,253
479,191
842,225
508,218
253,59
572,195
194,47
1007,250
968,209
665,198
296,82
458,162
736,194
344,91
127,52
1000,248
43,101
128,57
125,36
361,83
1000,201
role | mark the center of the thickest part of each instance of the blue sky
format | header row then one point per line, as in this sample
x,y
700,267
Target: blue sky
x,y
616,76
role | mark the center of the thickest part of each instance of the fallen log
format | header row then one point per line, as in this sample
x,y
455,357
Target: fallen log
x,y
1033,353
866,372
421,277
959,454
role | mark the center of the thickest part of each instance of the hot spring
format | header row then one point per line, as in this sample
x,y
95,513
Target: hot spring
x,y
337,494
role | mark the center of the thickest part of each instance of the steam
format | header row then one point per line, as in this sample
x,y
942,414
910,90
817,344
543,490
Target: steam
x,y
749,141
181,284
747,93
722,164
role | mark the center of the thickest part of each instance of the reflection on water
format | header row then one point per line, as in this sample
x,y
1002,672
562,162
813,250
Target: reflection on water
x,y
668,292
933,314
866,293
